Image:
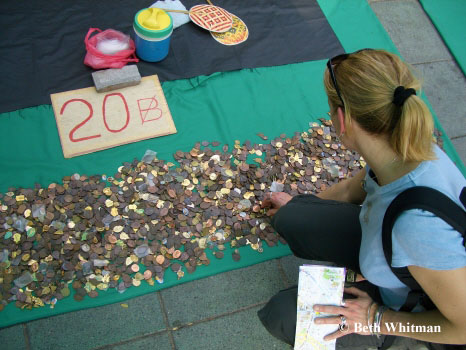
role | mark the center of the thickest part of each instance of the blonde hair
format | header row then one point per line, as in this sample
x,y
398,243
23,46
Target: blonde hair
x,y
367,80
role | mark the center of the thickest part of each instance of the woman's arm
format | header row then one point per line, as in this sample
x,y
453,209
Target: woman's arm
x,y
447,289
348,190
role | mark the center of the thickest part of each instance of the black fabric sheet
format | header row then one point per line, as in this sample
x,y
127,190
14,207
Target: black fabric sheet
x,y
42,43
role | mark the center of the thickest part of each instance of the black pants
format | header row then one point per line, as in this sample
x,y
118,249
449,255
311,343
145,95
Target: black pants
x,y
324,230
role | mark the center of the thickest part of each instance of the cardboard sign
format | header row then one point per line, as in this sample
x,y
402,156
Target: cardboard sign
x,y
89,121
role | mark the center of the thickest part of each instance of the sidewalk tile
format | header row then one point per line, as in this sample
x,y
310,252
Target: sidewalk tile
x,y
460,146
95,327
222,293
445,86
411,30
242,330
12,338
156,342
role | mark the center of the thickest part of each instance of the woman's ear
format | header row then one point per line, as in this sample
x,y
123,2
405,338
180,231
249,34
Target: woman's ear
x,y
341,120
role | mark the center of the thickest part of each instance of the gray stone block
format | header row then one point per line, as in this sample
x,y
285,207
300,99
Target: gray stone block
x,y
445,86
116,78
460,146
222,293
12,338
159,341
411,30
100,326
242,330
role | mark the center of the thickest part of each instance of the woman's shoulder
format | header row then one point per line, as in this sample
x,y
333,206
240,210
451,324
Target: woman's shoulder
x,y
420,238
440,174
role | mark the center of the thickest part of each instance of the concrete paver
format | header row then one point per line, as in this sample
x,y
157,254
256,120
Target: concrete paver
x,y
445,87
241,330
86,329
13,338
155,342
222,293
460,146
411,30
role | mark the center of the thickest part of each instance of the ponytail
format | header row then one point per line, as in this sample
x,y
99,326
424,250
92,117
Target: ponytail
x,y
411,138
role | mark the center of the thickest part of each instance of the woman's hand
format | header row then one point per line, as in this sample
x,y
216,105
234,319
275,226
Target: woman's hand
x,y
274,201
354,310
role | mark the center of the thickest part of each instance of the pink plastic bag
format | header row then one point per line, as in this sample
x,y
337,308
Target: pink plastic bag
x,y
98,60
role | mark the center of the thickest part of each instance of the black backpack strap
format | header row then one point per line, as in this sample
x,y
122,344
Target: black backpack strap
x,y
437,203
424,198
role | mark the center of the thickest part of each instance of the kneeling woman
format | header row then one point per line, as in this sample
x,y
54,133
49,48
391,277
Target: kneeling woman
x,y
376,112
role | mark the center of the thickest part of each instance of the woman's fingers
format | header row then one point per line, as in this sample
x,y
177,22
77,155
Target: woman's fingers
x,y
337,334
268,200
328,320
275,200
329,309
266,203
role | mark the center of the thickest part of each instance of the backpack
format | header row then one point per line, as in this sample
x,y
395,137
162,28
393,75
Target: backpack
x,y
437,203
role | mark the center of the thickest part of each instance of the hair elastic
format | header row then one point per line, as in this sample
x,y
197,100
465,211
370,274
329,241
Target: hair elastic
x,y
401,95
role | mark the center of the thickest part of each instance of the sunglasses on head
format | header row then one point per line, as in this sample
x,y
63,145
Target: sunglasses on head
x,y
333,62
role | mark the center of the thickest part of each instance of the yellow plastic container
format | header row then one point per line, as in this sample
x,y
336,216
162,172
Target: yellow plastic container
x,y
153,28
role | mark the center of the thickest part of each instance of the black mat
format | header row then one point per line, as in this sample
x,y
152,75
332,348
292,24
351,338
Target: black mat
x,y
42,45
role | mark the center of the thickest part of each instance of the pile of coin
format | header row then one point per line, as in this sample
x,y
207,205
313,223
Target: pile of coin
x,y
97,232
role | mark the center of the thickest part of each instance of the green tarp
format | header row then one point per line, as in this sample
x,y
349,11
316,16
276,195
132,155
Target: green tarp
x,y
449,17
223,106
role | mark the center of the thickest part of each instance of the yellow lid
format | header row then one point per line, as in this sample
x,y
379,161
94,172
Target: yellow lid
x,y
153,19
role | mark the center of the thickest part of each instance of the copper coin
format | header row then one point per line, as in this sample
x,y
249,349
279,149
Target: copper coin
x,y
147,274
149,211
175,267
160,259
262,136
136,282
126,278
244,167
